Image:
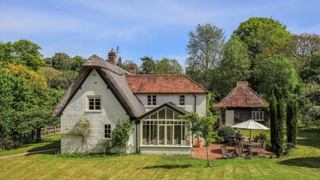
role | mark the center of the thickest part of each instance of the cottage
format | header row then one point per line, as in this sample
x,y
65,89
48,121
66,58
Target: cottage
x,y
241,104
105,93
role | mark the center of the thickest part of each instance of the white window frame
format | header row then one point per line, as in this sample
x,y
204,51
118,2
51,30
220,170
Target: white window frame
x,y
159,122
184,100
255,113
87,103
153,97
104,136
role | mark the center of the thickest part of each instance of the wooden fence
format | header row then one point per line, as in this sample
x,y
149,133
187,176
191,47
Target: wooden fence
x,y
47,131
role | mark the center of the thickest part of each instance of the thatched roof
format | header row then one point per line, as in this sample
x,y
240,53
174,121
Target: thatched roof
x,y
242,96
114,77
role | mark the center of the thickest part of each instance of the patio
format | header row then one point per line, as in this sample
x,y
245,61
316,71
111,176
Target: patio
x,y
216,153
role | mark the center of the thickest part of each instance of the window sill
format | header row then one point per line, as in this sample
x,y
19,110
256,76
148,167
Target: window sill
x,y
93,111
151,106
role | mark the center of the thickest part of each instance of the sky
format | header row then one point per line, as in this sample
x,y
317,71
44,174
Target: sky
x,y
157,28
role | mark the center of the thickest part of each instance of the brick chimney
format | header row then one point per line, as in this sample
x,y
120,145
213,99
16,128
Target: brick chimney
x,y
132,69
112,57
242,83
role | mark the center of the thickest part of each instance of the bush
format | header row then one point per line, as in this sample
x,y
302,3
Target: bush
x,y
225,132
262,136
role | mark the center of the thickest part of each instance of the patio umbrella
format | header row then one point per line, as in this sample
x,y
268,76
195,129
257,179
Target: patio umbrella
x,y
250,124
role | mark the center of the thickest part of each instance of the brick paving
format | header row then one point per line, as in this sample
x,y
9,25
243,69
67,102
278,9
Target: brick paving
x,y
215,152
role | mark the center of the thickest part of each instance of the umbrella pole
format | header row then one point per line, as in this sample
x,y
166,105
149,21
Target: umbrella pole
x,y
250,135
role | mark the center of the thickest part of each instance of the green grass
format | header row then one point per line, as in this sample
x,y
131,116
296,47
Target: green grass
x,y
304,164
48,142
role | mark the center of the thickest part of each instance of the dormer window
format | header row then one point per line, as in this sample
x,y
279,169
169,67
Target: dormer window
x,y
152,100
182,100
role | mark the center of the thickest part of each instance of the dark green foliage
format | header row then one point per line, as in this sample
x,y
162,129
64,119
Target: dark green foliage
x,y
168,66
148,66
225,132
120,136
262,136
292,119
78,61
277,114
259,33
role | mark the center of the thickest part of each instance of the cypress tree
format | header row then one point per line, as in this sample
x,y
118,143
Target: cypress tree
x,y
278,139
292,113
273,119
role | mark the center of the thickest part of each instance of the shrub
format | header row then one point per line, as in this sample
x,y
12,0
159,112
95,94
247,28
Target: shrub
x,y
225,132
262,136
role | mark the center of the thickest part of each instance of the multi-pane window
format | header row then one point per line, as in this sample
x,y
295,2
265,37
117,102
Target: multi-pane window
x,y
152,100
182,100
94,103
257,115
107,130
164,128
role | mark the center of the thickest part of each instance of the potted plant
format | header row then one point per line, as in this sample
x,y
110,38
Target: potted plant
x,y
198,142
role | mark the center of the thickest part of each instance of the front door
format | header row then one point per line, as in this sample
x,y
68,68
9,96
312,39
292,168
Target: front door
x,y
229,117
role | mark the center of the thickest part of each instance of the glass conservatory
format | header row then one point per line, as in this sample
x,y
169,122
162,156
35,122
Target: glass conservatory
x,y
163,128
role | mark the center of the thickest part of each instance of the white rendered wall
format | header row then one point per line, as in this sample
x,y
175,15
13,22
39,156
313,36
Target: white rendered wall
x,y
174,98
76,109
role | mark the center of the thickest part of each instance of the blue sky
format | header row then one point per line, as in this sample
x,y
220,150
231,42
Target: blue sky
x,y
140,27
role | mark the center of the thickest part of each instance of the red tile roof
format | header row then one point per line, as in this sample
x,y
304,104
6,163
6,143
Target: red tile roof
x,y
169,83
242,96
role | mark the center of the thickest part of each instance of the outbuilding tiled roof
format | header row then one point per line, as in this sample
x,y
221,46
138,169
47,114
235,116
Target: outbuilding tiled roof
x,y
242,96
169,83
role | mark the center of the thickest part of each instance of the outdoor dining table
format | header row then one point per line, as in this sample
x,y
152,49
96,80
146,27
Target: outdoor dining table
x,y
238,137
250,143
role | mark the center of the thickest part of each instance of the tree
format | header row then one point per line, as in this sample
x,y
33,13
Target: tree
x,y
78,61
61,61
54,78
28,54
6,54
311,73
168,66
259,33
204,126
204,50
277,114
292,119
276,74
233,67
121,135
304,46
148,66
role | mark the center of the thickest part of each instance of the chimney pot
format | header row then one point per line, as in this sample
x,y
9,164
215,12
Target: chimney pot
x,y
132,69
112,57
242,83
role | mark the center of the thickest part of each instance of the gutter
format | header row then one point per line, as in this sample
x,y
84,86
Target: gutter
x,y
195,103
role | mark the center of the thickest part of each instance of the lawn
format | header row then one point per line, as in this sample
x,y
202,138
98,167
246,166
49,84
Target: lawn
x,y
48,142
304,164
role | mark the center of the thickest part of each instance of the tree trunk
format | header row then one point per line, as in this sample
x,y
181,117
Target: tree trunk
x,y
208,156
38,135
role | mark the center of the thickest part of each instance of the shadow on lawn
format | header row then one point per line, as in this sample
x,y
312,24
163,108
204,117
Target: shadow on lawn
x,y
167,167
310,162
311,137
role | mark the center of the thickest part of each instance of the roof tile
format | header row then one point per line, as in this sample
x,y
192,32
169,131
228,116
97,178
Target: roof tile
x,y
168,83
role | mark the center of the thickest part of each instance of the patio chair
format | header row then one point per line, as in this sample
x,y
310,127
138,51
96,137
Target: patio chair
x,y
246,139
242,148
259,140
255,148
239,152
264,146
225,154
